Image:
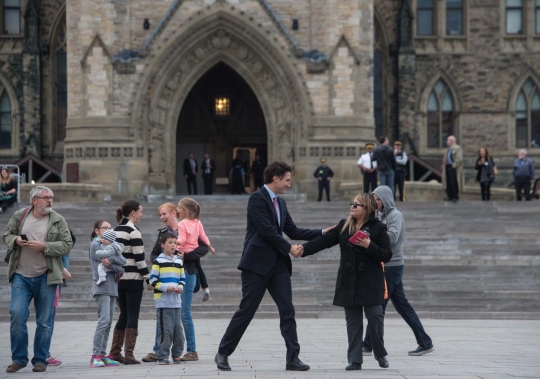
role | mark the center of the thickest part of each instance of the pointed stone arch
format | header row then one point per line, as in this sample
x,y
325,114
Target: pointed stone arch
x,y
220,36
421,102
516,88
8,88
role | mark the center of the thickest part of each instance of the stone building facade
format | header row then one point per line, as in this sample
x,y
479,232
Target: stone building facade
x,y
98,87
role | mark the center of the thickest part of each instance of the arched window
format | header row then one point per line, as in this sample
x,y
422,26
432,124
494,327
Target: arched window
x,y
60,81
440,115
5,120
528,116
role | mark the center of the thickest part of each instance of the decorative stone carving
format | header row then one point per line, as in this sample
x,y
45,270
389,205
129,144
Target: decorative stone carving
x,y
90,152
103,152
405,28
317,67
78,152
69,153
338,151
140,152
124,68
313,151
302,152
484,3
31,20
128,152
115,152
351,151
326,151
155,148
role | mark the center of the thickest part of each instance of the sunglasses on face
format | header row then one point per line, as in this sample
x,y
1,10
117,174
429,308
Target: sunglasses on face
x,y
356,205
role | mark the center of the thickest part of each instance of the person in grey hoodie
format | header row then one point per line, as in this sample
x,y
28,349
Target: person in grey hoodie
x,y
393,271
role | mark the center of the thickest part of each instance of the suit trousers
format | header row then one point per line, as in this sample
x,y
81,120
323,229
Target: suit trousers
x,y
452,189
523,187
208,180
370,180
324,185
192,180
355,328
254,286
399,181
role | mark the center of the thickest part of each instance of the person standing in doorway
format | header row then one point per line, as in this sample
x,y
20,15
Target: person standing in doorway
x,y
386,163
368,166
208,168
452,169
324,175
523,172
257,169
190,173
401,169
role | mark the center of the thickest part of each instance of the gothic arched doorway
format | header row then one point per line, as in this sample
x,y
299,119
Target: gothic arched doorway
x,y
220,113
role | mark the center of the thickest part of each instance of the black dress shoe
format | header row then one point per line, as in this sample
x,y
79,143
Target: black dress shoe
x,y
222,362
296,365
382,362
354,366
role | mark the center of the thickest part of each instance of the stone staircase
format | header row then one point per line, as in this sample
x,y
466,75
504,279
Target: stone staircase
x,y
465,260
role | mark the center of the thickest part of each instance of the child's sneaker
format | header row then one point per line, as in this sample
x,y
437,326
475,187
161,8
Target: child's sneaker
x,y
96,361
109,361
164,361
52,361
176,360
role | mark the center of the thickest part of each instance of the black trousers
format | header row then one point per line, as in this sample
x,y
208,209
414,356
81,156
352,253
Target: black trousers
x,y
523,187
129,301
399,183
452,189
485,188
254,286
259,181
370,180
208,180
4,204
355,329
202,275
324,185
192,180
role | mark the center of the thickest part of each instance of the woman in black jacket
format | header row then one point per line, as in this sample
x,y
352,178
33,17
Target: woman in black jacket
x,y
360,279
486,171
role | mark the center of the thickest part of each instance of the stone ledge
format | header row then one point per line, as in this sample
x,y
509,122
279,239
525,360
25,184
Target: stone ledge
x,y
69,192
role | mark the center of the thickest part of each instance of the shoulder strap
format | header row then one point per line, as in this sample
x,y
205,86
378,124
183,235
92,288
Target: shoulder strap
x,y
22,218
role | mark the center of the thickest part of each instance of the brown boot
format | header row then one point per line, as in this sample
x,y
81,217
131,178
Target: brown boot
x,y
131,340
117,343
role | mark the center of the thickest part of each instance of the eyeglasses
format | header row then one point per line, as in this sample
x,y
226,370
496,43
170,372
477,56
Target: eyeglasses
x,y
356,205
46,198
105,227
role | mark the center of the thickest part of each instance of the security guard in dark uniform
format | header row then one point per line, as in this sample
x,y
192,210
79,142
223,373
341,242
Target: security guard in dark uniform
x,y
257,170
324,174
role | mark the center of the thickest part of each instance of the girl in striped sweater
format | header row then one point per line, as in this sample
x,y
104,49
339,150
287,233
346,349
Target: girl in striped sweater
x,y
131,285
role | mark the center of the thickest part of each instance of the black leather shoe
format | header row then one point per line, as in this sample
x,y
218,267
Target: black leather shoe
x,y
354,366
222,362
382,362
296,365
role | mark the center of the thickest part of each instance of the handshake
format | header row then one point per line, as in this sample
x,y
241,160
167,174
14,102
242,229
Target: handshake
x,y
297,251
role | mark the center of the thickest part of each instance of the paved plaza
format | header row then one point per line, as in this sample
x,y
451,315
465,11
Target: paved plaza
x,y
486,349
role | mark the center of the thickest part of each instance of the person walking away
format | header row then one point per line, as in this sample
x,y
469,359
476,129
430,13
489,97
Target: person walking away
x,y
368,167
208,168
401,169
324,175
190,173
386,163
485,172
131,285
105,296
168,279
393,271
265,264
8,189
523,172
452,170
37,237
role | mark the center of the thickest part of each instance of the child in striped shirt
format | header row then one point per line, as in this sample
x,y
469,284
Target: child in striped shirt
x,y
167,277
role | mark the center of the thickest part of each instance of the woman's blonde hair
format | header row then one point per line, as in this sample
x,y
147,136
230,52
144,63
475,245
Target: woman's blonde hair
x,y
170,207
9,177
191,207
370,205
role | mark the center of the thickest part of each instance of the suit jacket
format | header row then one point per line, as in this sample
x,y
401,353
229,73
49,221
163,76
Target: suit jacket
x,y
187,167
264,239
203,167
457,157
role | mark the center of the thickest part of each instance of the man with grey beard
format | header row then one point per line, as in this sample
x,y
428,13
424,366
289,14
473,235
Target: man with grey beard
x,y
38,237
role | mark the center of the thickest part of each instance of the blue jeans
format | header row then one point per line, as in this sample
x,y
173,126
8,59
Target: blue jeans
x,y
65,261
386,178
187,320
22,291
156,342
394,276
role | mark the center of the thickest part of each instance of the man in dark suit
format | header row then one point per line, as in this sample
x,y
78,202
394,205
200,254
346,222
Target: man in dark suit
x,y
190,173
266,265
208,167
257,169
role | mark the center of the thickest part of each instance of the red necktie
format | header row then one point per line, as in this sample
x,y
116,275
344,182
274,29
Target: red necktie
x,y
275,207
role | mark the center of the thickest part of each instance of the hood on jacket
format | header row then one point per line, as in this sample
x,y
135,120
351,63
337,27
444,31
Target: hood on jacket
x,y
387,197
118,247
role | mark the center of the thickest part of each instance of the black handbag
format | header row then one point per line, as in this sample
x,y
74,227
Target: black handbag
x,y
197,283
9,252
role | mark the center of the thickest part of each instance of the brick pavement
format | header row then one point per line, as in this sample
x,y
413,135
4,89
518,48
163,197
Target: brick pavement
x,y
486,349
